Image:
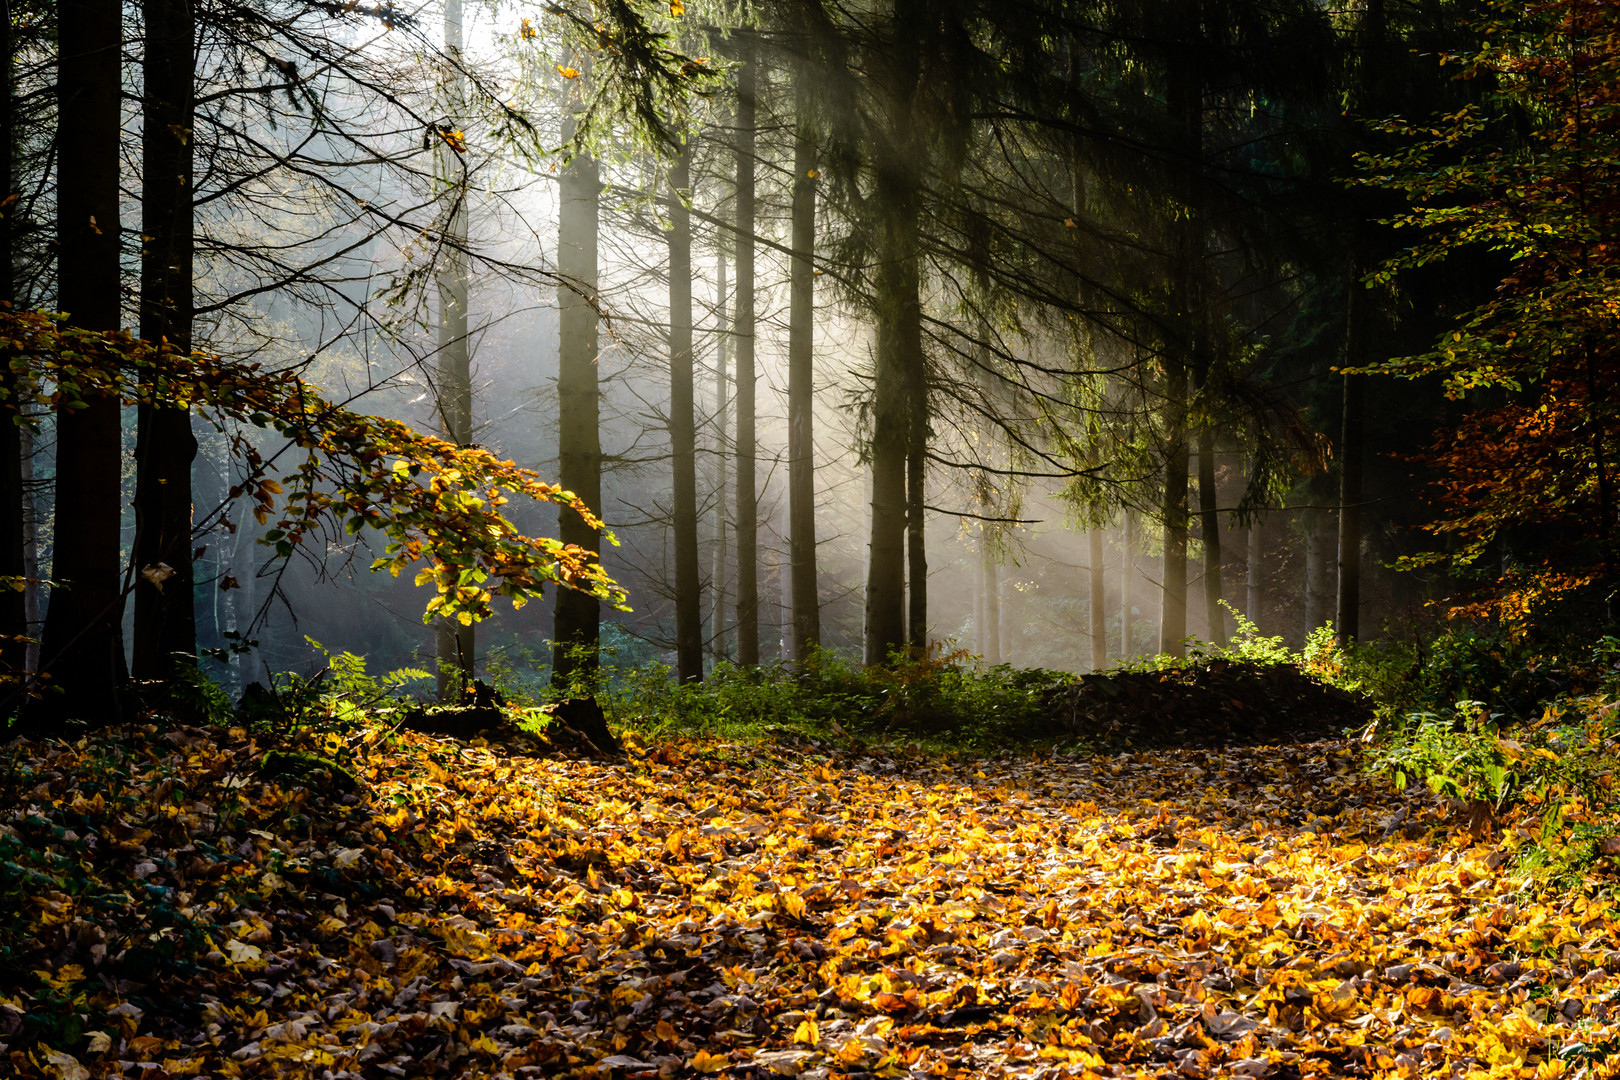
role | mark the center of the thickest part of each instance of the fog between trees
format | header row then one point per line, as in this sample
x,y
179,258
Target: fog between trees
x,y
1080,280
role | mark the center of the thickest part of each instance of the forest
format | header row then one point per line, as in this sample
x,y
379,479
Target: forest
x,y
824,538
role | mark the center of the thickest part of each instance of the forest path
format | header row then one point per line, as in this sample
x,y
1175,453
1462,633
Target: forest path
x,y
706,908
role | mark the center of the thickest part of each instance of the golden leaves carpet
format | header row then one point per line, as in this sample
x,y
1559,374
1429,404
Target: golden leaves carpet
x,y
759,912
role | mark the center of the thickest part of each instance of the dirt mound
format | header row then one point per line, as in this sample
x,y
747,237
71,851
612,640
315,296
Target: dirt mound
x,y
1219,703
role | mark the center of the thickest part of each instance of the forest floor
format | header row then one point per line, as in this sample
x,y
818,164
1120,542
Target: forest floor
x,y
705,908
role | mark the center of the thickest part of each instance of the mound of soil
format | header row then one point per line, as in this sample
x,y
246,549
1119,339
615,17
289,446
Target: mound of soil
x,y
1219,703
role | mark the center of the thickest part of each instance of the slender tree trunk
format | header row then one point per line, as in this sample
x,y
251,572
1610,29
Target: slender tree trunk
x,y
13,538
1099,598
916,547
456,643
32,613
83,646
898,378
1173,596
1127,575
1256,559
722,395
747,477
1209,519
980,638
1185,100
165,626
1318,570
801,384
992,601
683,429
1351,452
577,629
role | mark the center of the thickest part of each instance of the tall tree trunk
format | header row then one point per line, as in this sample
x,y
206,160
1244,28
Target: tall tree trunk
x,y
1173,595
722,396
1209,519
992,598
747,476
898,378
83,648
1351,427
577,629
165,626
13,538
1256,558
1185,99
1127,575
1359,312
801,383
455,642
683,429
1099,598
1318,570
916,547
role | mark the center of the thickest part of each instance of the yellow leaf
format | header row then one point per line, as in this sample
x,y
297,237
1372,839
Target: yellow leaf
x,y
666,1031
807,1033
705,1062
567,72
676,9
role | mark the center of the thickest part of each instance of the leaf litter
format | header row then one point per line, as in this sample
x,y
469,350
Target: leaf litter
x,y
702,908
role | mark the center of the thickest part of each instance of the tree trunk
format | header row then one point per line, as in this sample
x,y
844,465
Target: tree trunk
x,y
898,378
801,385
13,537
1127,582
747,480
916,548
1318,571
1099,599
165,626
1210,522
1256,558
576,628
83,643
455,642
683,429
992,600
1351,427
722,394
1185,101
1173,596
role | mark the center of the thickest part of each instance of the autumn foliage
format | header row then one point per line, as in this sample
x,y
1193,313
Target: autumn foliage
x,y
705,908
1529,473
339,471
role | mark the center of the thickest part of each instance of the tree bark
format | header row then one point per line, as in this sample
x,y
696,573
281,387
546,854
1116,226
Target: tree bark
x,y
1185,97
1127,571
992,599
916,547
1351,428
1098,587
1173,596
83,644
13,535
1318,570
801,384
683,429
1209,519
456,643
576,627
747,476
898,378
165,626
722,395
1256,557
